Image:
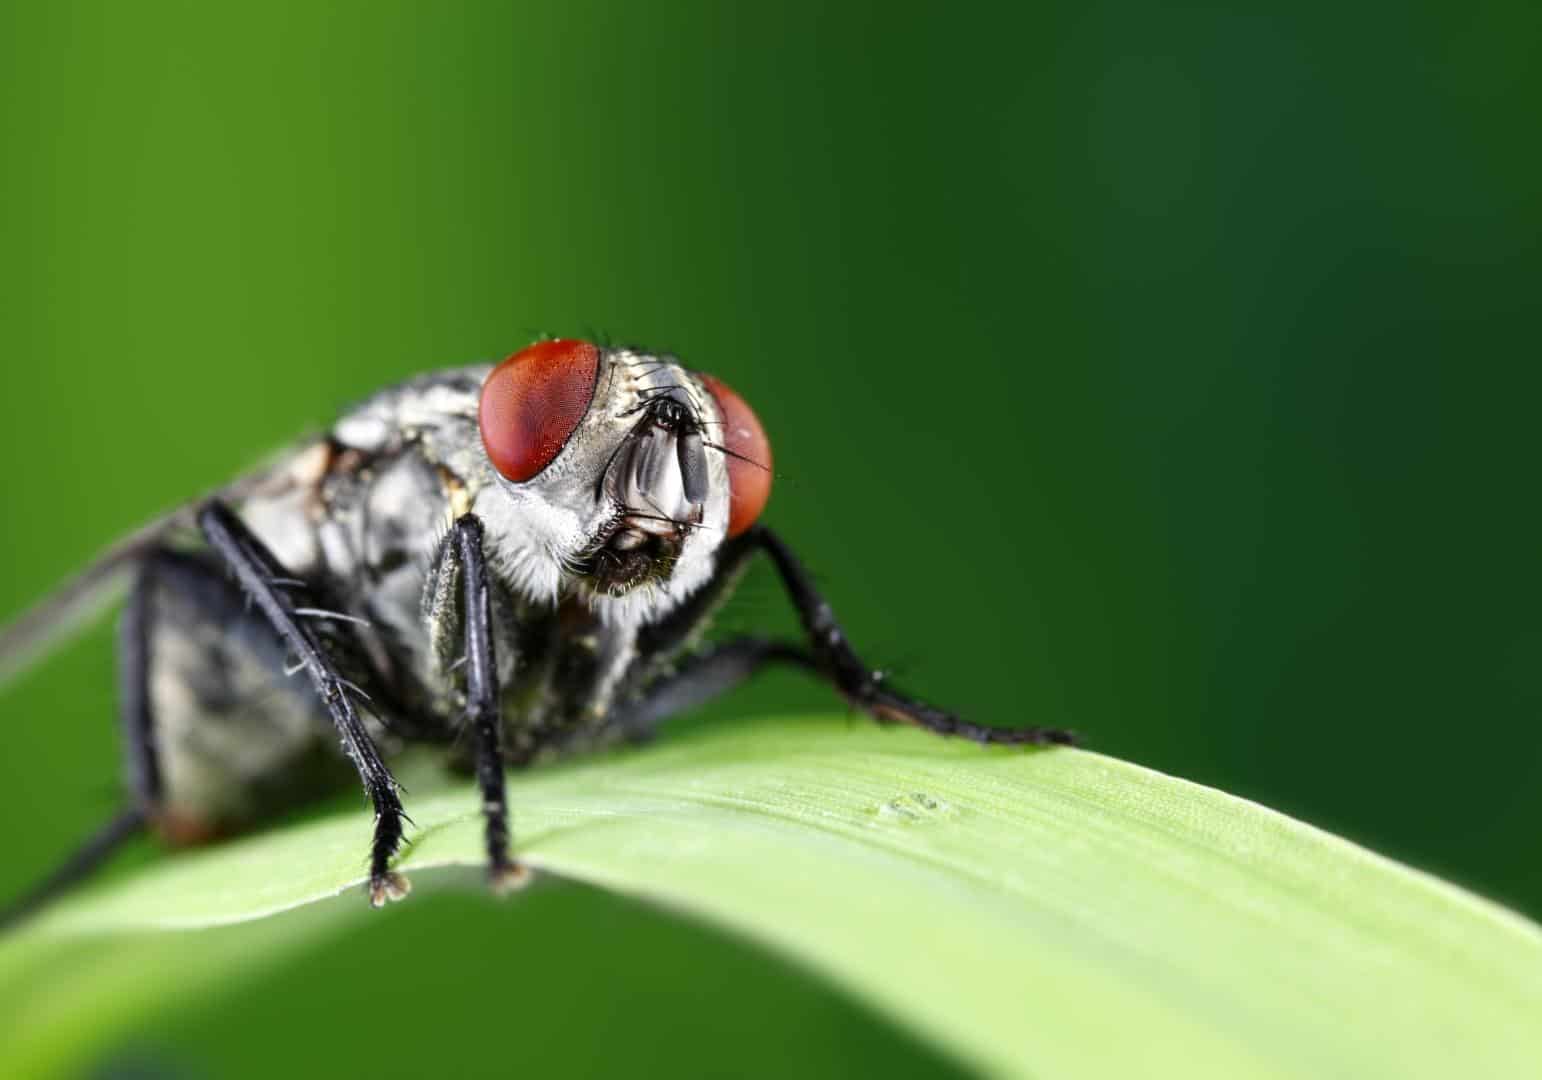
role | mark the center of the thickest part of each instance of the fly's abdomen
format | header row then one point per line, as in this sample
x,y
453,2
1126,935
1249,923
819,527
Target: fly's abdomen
x,y
234,738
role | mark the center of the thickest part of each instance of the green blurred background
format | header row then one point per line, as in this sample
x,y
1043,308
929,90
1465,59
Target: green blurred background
x,y
1168,373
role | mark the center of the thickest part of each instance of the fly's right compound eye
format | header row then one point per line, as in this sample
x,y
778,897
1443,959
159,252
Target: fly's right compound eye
x,y
533,402
749,456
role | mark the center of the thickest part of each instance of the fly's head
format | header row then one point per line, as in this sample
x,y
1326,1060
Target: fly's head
x,y
617,475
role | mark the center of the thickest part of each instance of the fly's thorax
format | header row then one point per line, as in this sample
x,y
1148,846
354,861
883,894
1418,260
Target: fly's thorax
x,y
571,666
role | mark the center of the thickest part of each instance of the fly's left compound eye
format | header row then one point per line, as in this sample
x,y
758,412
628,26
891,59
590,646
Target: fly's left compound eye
x,y
749,456
533,402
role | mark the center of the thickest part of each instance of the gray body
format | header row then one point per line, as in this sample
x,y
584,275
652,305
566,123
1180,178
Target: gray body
x,y
360,513
385,584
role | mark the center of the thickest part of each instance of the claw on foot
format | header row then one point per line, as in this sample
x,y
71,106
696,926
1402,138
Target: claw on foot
x,y
508,878
889,708
390,886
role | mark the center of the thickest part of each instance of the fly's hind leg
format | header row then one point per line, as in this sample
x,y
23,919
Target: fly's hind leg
x,y
215,737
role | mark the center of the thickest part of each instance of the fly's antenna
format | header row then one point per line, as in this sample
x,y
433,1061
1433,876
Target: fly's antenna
x,y
735,454
97,849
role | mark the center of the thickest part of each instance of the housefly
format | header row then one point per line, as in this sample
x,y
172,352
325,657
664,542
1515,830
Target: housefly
x,y
511,561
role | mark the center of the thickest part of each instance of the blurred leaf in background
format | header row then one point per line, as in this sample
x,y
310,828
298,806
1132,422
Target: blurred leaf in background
x,y
1164,373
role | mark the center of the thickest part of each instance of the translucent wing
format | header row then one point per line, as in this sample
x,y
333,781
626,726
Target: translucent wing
x,y
83,599
79,602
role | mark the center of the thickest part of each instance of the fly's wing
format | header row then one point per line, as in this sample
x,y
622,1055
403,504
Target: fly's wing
x,y
82,600
79,602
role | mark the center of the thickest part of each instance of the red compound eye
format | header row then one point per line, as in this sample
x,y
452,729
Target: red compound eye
x,y
749,456
533,401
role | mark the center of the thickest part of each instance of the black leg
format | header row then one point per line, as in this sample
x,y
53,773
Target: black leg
x,y
483,716
85,859
144,771
702,678
258,572
836,660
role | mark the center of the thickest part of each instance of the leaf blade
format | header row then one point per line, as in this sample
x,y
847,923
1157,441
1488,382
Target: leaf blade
x,y
1035,913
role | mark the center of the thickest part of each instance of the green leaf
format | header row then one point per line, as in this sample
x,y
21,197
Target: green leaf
x,y
1035,913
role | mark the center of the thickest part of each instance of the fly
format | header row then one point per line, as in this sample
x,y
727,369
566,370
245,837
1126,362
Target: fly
x,y
510,561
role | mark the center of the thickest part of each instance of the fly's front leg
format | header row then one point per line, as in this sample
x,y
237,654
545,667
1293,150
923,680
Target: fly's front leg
x,y
828,655
862,685
462,558
263,579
